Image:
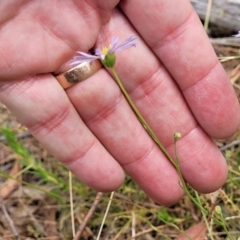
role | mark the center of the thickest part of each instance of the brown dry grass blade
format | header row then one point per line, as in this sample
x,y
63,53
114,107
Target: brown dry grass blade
x,y
10,185
195,232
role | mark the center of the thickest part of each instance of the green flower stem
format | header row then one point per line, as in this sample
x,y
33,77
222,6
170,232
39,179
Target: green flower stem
x,y
197,201
183,183
205,218
140,117
154,137
222,222
184,186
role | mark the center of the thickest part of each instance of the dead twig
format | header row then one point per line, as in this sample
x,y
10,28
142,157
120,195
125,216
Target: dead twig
x,y
226,41
11,184
88,216
229,145
133,225
10,221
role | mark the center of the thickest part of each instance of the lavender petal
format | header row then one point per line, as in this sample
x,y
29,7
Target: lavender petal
x,y
84,57
237,35
114,42
129,42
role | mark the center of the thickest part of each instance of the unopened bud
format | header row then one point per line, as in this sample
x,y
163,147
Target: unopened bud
x,y
109,60
177,136
218,210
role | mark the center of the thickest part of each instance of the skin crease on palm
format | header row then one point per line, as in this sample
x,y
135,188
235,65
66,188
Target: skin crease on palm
x,y
173,76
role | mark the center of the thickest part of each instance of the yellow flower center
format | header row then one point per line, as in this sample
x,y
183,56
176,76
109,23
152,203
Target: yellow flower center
x,y
106,49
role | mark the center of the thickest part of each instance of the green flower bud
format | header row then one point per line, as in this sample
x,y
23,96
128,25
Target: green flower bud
x,y
177,136
109,60
218,210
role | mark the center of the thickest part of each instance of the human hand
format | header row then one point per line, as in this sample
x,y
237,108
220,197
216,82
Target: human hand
x,y
173,76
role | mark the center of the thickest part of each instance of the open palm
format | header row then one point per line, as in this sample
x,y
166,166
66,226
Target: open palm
x,y
173,76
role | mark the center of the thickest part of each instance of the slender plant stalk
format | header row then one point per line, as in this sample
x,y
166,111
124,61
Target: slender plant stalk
x,y
140,117
223,224
71,202
205,219
88,216
8,218
183,183
208,13
227,232
154,137
159,144
105,215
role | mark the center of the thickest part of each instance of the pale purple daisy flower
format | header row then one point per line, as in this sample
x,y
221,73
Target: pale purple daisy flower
x,y
237,35
101,53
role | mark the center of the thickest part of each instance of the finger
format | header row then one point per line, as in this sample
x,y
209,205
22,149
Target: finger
x,y
43,106
105,111
38,38
177,37
162,105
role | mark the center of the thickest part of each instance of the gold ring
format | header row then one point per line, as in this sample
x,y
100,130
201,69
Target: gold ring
x,y
79,73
